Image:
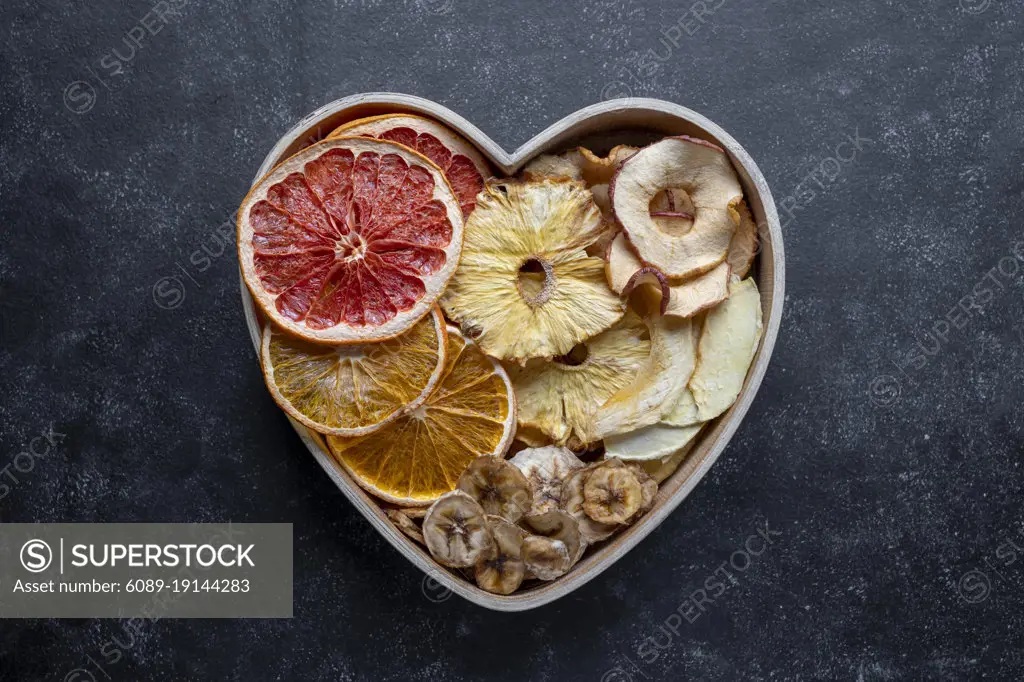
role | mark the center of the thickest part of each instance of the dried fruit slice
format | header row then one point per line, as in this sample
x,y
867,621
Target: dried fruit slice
x,y
356,389
462,164
648,486
704,172
626,272
420,455
559,398
579,164
456,531
612,494
661,469
349,241
405,524
594,171
572,502
650,443
684,412
555,529
502,569
525,287
744,245
727,346
546,469
499,487
658,385
545,558
533,438
564,166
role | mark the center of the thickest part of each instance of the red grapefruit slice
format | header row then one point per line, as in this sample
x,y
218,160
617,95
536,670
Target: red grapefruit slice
x,y
351,240
462,164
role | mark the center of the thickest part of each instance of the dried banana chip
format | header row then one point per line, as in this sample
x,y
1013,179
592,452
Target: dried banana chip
x,y
612,494
499,487
558,526
546,470
545,558
455,530
501,570
572,502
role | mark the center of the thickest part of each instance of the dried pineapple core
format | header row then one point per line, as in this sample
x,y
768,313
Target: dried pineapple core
x,y
526,287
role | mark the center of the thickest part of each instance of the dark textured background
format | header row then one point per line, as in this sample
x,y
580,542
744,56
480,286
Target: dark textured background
x,y
884,446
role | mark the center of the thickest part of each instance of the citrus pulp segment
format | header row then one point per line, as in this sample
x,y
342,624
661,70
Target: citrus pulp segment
x,y
463,165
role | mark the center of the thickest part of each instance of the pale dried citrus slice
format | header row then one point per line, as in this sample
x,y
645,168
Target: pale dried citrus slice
x,y
351,240
526,287
419,456
463,165
560,398
355,389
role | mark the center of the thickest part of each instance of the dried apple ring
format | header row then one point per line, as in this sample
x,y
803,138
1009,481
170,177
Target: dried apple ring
x,y
704,172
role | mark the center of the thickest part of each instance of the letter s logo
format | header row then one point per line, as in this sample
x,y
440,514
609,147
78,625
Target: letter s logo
x,y
36,556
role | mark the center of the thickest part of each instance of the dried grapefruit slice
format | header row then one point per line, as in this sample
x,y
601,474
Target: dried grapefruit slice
x,y
462,164
419,456
351,240
356,389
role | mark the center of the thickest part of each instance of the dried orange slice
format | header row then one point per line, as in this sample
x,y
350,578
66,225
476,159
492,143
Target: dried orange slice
x,y
463,165
356,389
419,456
351,240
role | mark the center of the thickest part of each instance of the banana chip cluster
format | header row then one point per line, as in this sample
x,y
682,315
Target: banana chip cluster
x,y
528,518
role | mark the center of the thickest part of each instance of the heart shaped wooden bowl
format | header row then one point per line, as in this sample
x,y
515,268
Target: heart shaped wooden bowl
x,y
599,127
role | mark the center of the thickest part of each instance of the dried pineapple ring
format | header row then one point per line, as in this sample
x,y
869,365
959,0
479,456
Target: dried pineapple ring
x,y
526,287
560,398
701,169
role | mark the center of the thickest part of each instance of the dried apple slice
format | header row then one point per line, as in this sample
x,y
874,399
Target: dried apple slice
x,y
580,164
704,172
661,469
625,272
727,346
684,412
650,443
560,397
743,247
526,287
657,386
553,166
